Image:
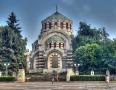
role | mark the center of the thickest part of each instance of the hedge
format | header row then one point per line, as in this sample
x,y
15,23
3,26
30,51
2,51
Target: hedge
x,y
7,78
88,78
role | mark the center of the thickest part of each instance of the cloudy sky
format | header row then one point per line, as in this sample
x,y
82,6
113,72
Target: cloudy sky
x,y
97,13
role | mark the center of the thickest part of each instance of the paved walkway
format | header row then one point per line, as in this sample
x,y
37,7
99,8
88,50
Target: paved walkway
x,y
58,86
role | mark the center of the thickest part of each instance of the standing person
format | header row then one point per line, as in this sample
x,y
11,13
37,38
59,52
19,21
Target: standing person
x,y
53,76
57,76
52,79
107,76
107,79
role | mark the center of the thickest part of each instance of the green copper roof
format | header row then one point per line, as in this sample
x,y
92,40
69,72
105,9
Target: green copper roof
x,y
57,16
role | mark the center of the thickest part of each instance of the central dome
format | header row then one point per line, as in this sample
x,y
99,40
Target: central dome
x,y
57,21
57,16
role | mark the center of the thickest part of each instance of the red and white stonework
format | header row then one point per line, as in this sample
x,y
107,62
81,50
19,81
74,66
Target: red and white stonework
x,y
53,48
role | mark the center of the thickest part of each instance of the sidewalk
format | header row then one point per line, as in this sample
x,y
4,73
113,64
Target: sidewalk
x,y
85,85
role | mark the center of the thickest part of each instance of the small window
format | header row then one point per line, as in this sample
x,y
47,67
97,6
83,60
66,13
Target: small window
x,y
45,25
66,25
61,25
70,26
50,45
59,45
55,45
55,23
50,25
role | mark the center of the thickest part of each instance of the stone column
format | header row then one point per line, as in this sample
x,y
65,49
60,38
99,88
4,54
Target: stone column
x,y
27,55
34,64
64,25
58,24
47,28
53,24
69,74
0,73
21,75
68,27
57,44
52,44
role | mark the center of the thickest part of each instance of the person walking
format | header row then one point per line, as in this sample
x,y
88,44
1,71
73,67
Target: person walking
x,y
107,78
53,76
52,79
57,76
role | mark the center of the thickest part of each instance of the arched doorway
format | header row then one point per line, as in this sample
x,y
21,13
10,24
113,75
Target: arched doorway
x,y
54,60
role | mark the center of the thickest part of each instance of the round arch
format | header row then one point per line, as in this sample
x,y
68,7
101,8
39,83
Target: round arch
x,y
54,60
62,34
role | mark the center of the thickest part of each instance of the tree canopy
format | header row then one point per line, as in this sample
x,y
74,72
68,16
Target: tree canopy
x,y
94,49
12,44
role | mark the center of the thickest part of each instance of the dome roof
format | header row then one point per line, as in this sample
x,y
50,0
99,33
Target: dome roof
x,y
57,16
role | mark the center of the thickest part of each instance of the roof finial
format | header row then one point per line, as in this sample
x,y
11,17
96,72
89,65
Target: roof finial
x,y
56,8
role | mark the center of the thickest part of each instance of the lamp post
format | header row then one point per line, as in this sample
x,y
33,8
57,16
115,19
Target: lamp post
x,y
6,67
20,66
76,68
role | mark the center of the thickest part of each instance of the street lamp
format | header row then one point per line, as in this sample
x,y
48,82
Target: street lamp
x,y
76,68
6,67
20,65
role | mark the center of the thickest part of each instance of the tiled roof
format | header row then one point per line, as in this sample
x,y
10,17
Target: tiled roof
x,y
57,16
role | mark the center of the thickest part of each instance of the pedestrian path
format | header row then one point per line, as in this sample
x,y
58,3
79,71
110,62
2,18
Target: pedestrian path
x,y
58,86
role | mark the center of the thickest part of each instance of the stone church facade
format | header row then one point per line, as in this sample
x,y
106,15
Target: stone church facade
x,y
53,48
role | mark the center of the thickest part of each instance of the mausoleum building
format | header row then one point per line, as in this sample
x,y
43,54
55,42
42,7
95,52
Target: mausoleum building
x,y
53,48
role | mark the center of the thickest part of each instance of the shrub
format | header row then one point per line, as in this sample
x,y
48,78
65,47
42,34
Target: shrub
x,y
62,76
84,73
88,78
7,78
96,72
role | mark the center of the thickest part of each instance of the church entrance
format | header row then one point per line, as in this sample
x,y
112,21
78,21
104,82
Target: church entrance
x,y
54,61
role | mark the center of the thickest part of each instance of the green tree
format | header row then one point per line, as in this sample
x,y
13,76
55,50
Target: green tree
x,y
109,55
13,22
12,44
86,35
89,56
89,36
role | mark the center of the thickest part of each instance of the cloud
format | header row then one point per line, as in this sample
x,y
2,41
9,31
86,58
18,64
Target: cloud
x,y
30,12
68,2
86,8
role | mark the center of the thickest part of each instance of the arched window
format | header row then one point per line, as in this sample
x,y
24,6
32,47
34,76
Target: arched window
x,y
55,23
45,25
55,45
59,45
70,26
61,25
50,45
50,25
66,25
55,61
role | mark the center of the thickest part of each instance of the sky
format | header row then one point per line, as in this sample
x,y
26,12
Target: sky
x,y
97,13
